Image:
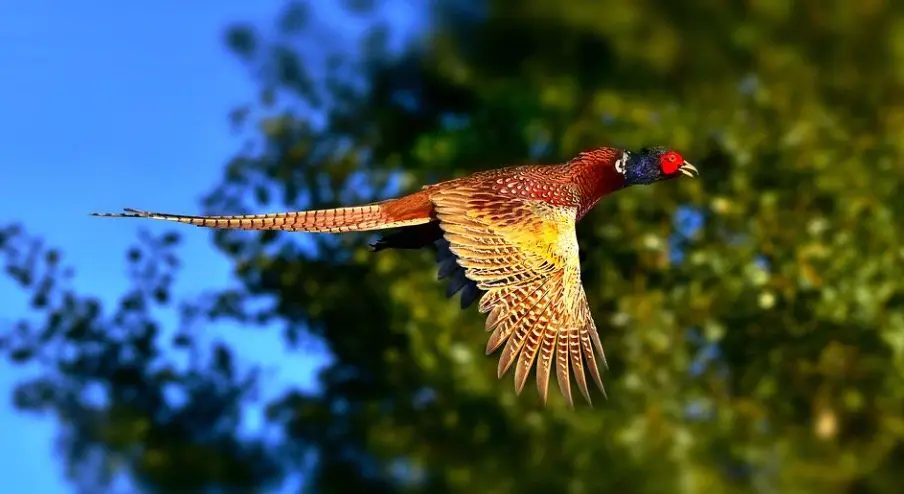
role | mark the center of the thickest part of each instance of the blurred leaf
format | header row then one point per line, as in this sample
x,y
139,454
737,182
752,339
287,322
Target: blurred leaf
x,y
170,239
21,355
242,41
294,17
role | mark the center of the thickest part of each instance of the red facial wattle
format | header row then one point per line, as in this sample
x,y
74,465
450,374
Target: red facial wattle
x,y
670,162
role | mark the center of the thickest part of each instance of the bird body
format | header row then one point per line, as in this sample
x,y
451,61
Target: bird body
x,y
506,236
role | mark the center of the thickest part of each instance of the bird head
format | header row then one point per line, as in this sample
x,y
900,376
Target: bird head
x,y
652,164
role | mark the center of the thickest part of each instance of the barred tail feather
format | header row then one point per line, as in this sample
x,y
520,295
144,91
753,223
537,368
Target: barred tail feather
x,y
414,209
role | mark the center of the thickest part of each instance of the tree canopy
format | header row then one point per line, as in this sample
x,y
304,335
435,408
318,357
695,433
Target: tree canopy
x,y
753,318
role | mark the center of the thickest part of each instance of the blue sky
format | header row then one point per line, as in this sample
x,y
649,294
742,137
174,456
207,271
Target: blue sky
x,y
103,103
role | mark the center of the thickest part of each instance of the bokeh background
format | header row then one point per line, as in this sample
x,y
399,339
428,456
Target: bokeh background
x,y
753,318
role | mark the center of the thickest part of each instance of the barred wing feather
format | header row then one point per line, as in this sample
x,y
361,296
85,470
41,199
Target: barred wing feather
x,y
524,255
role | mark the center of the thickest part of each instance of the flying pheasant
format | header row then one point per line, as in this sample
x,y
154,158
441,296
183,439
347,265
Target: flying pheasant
x,y
505,236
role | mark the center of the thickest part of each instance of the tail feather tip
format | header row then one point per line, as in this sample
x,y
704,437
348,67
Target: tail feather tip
x,y
127,213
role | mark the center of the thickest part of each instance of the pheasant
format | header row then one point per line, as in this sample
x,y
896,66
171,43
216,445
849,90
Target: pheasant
x,y
506,237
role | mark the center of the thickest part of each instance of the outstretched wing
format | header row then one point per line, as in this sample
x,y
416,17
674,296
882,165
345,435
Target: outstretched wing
x,y
524,254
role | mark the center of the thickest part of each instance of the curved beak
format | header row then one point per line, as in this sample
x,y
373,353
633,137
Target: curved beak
x,y
689,169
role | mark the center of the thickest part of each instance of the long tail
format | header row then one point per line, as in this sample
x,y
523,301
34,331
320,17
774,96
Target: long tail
x,y
413,209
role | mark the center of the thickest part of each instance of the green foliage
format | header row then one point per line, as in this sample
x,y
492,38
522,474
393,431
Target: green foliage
x,y
793,111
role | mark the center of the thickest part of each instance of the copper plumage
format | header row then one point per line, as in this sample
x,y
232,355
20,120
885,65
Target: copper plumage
x,y
506,237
